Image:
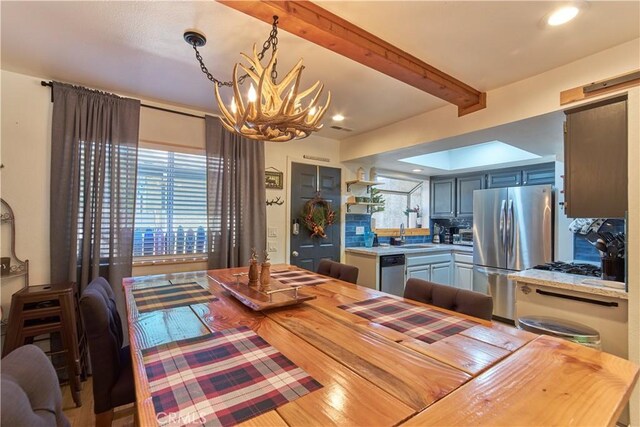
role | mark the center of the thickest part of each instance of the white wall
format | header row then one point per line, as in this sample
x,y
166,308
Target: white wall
x,y
24,184
563,239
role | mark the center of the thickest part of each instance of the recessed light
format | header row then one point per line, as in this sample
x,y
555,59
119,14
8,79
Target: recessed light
x,y
338,118
562,15
416,170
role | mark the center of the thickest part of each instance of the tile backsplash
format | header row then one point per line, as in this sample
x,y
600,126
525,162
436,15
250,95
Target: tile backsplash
x,y
350,223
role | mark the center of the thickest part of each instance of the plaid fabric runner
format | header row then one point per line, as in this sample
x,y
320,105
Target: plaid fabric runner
x,y
299,278
421,323
221,378
169,296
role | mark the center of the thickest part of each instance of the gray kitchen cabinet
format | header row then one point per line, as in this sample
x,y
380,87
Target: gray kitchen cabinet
x,y
443,197
504,178
465,186
539,174
444,189
595,155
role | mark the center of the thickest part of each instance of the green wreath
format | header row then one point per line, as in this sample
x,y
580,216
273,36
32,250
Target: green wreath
x,y
317,215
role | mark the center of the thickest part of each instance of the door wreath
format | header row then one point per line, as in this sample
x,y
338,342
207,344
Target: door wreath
x,y
317,215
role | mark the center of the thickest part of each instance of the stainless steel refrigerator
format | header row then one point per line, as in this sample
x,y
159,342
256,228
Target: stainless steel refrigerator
x,y
512,231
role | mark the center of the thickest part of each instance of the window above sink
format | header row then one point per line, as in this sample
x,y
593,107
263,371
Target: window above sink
x,y
406,201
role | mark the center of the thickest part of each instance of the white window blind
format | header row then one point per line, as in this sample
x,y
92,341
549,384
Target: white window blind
x,y
98,209
171,204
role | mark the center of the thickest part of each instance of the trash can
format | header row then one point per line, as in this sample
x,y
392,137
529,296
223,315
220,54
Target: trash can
x,y
565,329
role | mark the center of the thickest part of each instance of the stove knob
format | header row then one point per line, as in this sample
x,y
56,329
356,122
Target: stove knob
x,y
525,289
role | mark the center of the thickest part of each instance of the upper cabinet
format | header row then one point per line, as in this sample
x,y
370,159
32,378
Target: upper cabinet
x,y
539,174
595,155
452,196
465,187
504,178
443,197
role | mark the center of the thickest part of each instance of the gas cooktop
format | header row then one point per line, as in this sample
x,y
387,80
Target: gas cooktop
x,y
571,268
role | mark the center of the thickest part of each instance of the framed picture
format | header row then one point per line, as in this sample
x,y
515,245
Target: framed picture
x,y
273,180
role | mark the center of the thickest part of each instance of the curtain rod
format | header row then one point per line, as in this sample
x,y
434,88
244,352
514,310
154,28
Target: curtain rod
x,y
153,107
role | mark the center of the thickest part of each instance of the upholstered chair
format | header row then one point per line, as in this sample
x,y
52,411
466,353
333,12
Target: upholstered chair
x,y
111,364
31,394
460,300
347,273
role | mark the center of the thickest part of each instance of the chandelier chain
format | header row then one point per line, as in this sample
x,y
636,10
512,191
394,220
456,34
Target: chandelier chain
x,y
271,42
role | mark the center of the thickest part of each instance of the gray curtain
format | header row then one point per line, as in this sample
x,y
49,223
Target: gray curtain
x,y
94,151
236,199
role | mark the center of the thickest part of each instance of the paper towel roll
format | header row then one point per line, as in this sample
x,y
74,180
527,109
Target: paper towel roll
x,y
413,219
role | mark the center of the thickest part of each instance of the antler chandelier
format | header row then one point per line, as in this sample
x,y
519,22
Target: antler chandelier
x,y
275,111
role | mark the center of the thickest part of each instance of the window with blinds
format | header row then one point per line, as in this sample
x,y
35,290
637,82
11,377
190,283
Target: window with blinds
x,y
171,204
99,231
93,211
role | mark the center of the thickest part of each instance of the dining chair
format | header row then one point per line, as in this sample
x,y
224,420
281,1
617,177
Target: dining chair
x,y
113,383
345,272
31,393
460,300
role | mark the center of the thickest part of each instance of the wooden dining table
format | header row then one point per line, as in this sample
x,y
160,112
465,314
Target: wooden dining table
x,y
488,374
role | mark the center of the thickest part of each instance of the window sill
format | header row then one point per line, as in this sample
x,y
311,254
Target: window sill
x,y
385,232
167,261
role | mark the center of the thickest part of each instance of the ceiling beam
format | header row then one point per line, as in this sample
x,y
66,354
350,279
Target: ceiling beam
x,y
315,24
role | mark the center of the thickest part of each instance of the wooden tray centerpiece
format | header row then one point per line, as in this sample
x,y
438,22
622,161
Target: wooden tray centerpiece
x,y
263,292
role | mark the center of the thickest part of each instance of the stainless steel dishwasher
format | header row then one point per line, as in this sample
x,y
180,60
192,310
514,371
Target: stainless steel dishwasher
x,y
392,274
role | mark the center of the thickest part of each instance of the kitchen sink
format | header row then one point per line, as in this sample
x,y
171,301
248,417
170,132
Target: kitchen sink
x,y
417,246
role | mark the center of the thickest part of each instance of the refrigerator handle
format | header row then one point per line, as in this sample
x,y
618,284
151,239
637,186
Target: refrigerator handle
x,y
502,225
510,227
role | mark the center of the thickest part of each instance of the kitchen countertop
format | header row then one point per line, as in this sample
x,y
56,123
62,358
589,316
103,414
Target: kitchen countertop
x,y
572,282
396,250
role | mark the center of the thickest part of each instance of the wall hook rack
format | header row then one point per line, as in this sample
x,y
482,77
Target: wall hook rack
x,y
276,201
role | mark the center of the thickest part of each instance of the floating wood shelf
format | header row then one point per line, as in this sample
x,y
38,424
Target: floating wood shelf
x,y
368,184
367,204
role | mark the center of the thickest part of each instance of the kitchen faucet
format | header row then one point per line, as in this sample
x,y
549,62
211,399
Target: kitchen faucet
x,y
402,232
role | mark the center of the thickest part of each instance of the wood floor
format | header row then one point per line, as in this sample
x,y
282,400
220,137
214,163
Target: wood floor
x,y
83,416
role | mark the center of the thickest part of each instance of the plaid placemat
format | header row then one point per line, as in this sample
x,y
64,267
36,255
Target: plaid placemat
x,y
421,323
222,378
299,278
169,296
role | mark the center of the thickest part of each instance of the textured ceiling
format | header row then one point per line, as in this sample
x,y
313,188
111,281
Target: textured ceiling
x,y
137,48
